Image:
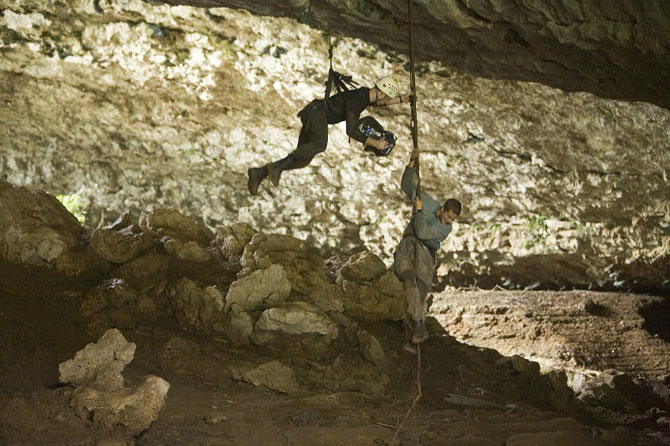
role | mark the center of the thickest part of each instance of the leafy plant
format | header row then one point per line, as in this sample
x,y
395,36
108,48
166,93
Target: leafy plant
x,y
537,230
583,230
493,230
73,204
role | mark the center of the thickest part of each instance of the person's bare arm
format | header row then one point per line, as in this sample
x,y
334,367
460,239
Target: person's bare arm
x,y
397,100
418,204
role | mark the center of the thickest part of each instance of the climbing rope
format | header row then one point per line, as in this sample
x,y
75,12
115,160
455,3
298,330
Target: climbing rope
x,y
329,82
414,128
412,84
334,78
415,142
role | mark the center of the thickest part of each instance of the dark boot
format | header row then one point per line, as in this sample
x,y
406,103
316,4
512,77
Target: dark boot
x,y
256,176
274,171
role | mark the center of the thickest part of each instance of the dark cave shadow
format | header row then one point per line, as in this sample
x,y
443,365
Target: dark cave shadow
x,y
657,318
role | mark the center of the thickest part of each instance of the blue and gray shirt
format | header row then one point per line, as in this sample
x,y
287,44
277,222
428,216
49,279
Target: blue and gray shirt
x,y
425,224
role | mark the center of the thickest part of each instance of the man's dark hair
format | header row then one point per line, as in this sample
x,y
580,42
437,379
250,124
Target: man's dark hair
x,y
453,205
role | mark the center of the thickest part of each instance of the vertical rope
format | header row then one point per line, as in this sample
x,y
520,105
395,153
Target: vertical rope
x,y
330,50
415,139
412,85
329,81
417,397
414,126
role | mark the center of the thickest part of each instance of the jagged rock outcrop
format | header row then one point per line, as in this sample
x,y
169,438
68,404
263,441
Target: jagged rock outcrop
x,y
121,241
260,289
100,394
36,229
231,240
275,295
173,224
299,348
294,318
198,307
367,286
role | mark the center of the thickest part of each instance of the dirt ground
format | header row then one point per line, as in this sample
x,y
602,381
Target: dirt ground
x,y
580,331
40,327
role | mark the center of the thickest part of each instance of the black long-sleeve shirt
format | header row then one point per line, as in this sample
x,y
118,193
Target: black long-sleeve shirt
x,y
348,106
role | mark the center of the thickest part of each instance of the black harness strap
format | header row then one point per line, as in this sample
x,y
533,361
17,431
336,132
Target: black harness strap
x,y
341,82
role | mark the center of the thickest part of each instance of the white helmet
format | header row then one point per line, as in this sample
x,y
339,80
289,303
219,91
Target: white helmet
x,y
388,85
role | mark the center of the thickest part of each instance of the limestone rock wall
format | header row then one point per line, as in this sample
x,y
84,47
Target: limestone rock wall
x,y
615,49
134,106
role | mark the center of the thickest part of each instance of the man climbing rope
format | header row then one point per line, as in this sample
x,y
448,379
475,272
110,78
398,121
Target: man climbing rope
x,y
415,257
317,115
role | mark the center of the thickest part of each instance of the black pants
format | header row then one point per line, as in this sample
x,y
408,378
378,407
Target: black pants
x,y
313,140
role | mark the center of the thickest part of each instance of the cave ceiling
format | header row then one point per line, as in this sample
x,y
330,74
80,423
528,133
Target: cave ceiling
x,y
614,49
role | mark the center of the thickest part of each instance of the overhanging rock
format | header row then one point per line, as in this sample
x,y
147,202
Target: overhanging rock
x,y
612,49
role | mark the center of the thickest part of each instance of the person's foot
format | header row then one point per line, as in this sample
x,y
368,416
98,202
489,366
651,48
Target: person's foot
x,y
256,176
420,333
274,172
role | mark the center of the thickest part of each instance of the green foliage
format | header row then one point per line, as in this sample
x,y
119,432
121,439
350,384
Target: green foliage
x,y
537,230
583,230
493,230
378,221
537,224
73,204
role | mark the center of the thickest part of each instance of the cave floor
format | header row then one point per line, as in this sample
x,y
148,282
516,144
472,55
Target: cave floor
x,y
40,328
578,331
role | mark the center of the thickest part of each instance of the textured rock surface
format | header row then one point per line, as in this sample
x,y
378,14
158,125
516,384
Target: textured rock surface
x,y
371,348
262,288
349,385
134,106
615,49
275,376
173,224
198,307
133,411
96,362
120,246
377,296
294,318
584,333
38,230
100,395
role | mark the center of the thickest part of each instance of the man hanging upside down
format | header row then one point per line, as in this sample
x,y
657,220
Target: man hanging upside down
x,y
429,227
316,116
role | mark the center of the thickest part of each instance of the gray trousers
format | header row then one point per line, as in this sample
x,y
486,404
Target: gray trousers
x,y
416,277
